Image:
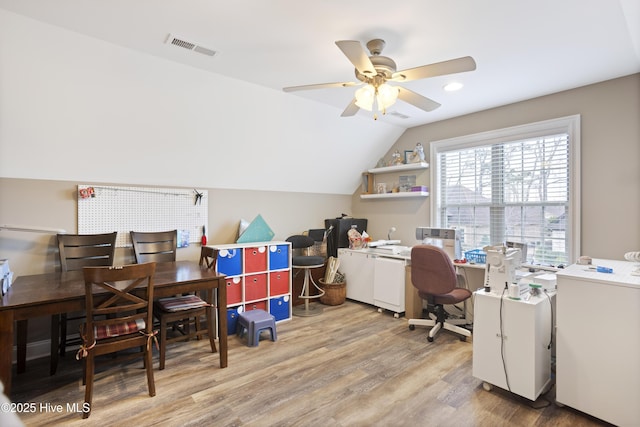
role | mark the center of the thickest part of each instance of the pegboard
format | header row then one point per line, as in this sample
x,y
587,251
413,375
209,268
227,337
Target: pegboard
x,y
105,209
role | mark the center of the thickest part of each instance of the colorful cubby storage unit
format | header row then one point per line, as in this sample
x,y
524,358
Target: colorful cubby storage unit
x,y
258,277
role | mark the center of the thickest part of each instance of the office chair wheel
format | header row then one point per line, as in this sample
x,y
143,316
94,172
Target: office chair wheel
x,y
463,338
430,339
412,327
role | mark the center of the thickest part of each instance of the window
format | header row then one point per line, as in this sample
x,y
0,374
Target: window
x,y
517,184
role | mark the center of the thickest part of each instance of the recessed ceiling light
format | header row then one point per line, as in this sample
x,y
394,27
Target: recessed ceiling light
x,y
453,86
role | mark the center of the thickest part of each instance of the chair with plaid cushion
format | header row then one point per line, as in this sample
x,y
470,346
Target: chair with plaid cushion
x,y
181,314
119,317
77,251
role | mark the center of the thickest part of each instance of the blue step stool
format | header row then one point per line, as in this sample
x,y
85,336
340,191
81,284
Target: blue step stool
x,y
254,322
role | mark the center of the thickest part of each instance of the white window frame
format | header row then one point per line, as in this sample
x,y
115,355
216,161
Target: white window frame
x,y
569,125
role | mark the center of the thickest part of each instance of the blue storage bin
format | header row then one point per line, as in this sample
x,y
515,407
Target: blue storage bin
x,y
230,262
232,320
279,307
278,257
476,255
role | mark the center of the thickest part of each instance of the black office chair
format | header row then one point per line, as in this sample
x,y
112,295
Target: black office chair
x,y
306,263
434,276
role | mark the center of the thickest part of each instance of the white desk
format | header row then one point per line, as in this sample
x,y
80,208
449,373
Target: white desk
x,y
598,350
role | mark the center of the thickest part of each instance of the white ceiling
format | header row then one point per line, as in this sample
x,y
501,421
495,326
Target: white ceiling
x,y
522,49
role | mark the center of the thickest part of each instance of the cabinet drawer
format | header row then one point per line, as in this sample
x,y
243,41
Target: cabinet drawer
x,y
279,307
229,262
255,259
234,290
255,287
256,305
278,257
279,282
232,320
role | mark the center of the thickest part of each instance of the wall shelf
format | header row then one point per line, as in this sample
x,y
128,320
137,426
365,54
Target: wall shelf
x,y
401,195
400,168
369,183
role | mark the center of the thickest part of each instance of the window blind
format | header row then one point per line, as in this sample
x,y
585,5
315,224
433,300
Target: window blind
x,y
511,190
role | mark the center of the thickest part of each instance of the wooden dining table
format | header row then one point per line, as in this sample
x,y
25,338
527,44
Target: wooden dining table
x,y
64,292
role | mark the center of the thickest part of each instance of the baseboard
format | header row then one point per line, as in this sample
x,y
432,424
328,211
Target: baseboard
x,y
35,350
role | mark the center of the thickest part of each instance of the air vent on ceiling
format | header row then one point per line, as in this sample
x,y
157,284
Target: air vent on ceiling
x,y
398,115
180,42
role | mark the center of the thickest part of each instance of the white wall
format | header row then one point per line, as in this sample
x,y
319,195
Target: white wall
x,y
77,108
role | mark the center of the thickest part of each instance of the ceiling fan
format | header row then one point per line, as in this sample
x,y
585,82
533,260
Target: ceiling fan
x,y
376,70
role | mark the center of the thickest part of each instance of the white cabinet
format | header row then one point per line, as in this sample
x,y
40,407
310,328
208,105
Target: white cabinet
x,y
388,283
511,341
374,279
358,271
598,351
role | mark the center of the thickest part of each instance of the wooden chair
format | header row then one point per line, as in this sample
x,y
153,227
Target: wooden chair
x,y
154,246
119,317
77,251
208,257
183,313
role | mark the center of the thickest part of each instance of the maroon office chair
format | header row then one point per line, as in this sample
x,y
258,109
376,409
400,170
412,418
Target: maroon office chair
x,y
434,276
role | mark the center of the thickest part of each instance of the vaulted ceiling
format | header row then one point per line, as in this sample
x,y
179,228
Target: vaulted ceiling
x,y
522,49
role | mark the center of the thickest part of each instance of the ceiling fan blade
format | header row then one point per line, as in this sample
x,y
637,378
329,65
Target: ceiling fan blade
x,y
351,109
319,86
354,51
452,66
419,101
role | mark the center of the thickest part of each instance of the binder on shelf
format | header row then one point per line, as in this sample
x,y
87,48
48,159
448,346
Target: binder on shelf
x,y
367,183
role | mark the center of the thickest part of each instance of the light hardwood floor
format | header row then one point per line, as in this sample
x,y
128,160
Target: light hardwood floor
x,y
350,366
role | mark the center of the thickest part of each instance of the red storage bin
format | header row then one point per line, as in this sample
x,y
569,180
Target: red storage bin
x,y
255,287
278,282
234,290
255,259
256,305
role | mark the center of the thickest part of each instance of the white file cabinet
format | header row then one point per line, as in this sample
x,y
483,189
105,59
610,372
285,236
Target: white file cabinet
x,y
518,332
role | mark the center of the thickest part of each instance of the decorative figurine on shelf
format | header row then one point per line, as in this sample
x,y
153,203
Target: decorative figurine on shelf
x,y
396,159
418,154
381,163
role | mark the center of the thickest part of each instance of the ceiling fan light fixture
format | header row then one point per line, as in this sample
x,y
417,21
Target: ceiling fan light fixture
x,y
386,96
383,95
365,96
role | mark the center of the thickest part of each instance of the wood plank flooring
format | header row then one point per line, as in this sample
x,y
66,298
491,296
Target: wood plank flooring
x,y
350,366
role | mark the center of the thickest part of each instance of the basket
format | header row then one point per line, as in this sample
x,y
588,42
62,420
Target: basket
x,y
476,255
334,293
